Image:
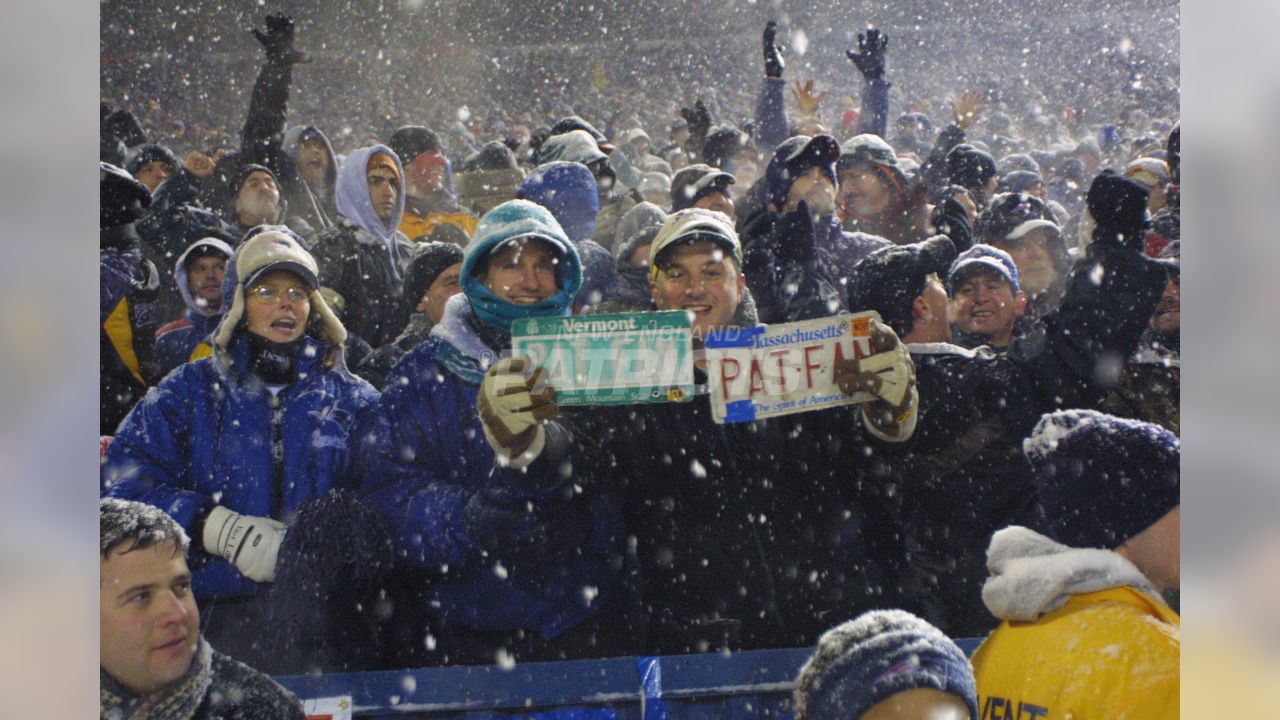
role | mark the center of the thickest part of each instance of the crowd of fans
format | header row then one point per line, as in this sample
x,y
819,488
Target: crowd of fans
x,y
305,364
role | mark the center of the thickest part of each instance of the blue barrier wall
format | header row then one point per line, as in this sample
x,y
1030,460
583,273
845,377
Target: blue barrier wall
x,y
753,685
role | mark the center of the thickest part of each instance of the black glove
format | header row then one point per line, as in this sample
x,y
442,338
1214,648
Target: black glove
x,y
278,40
795,237
950,219
699,121
870,55
773,63
124,126
1118,206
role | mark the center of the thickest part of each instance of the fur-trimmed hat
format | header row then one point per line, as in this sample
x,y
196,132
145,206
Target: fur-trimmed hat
x,y
277,249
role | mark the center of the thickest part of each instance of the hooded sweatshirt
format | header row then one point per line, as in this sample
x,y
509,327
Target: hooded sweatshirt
x,y
315,204
1085,635
185,339
568,190
363,258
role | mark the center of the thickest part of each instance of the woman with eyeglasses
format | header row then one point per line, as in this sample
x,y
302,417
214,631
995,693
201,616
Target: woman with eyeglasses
x,y
245,446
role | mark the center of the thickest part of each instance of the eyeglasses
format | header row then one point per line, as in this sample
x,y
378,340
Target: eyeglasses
x,y
268,293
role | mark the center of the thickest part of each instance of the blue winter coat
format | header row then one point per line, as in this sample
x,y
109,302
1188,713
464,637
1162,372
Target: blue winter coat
x,y
213,434
451,510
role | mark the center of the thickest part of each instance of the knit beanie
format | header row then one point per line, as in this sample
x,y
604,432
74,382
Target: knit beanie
x,y
428,261
874,656
1102,479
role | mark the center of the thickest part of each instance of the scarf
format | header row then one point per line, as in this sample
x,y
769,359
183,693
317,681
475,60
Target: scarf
x,y
177,701
271,361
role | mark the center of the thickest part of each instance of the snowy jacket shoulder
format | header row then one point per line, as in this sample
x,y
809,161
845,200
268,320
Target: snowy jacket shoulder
x,y
212,434
450,508
1071,614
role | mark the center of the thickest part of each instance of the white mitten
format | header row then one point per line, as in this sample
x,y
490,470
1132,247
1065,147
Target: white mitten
x,y
249,542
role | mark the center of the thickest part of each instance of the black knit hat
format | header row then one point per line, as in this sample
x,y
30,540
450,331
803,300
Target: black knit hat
x,y
1118,206
969,167
890,279
121,198
881,653
722,144
1102,479
429,260
410,141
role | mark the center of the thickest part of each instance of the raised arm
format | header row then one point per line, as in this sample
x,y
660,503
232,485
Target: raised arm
x,y
263,132
771,111
869,59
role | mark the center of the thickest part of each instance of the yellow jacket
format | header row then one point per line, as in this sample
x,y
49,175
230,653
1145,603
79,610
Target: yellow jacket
x,y
1110,653
415,226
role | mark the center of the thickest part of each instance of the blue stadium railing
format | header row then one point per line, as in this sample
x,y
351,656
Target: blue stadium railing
x,y
752,685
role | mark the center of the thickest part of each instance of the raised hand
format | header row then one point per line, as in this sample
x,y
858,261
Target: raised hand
x,y
806,99
965,108
869,58
278,40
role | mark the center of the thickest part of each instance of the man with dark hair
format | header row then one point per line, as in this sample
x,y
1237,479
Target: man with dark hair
x,y
363,257
154,663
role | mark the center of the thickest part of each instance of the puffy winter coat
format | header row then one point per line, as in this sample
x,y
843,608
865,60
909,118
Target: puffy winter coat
x,y
745,536
453,512
1084,636
212,434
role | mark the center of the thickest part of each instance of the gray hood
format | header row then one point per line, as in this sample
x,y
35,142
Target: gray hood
x,y
180,275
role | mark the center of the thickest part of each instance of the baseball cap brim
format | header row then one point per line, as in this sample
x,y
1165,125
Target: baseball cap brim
x,y
967,265
296,268
689,229
818,151
557,244
1026,227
